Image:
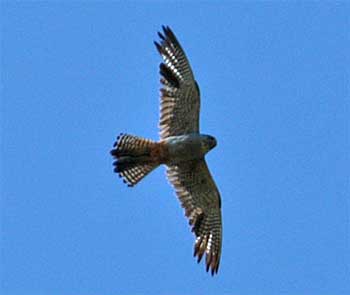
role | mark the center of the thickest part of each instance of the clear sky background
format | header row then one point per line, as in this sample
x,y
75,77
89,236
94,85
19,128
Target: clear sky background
x,y
274,79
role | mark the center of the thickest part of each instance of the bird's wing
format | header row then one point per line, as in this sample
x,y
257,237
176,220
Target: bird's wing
x,y
180,98
200,198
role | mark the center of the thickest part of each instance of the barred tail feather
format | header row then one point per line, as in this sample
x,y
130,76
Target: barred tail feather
x,y
133,158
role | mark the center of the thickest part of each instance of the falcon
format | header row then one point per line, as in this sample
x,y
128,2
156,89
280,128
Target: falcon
x,y
181,148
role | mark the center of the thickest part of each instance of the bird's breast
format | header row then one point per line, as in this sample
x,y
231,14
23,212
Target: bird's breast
x,y
182,148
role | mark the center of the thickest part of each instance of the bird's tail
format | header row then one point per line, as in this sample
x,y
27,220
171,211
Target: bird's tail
x,y
134,157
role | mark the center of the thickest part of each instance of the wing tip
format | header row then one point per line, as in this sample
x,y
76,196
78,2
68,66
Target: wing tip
x,y
205,246
212,260
167,31
158,46
168,36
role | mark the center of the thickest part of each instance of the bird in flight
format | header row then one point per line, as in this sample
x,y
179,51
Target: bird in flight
x,y
181,148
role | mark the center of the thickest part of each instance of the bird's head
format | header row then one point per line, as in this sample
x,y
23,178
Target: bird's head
x,y
208,143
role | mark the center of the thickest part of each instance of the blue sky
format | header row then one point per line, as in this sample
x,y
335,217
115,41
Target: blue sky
x,y
274,80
